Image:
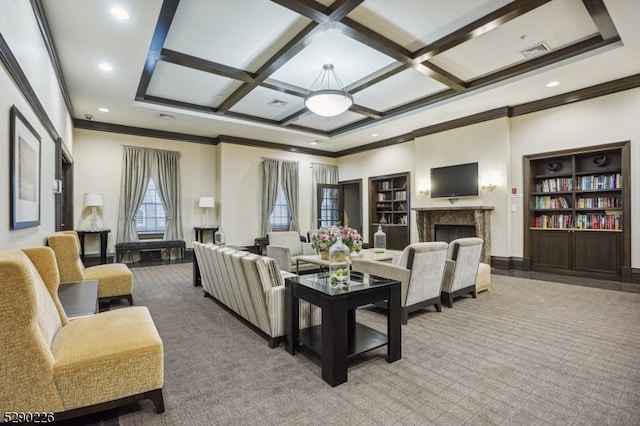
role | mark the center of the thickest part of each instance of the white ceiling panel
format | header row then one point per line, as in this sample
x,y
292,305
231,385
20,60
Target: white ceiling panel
x,y
203,89
400,89
501,46
210,30
352,61
259,103
414,24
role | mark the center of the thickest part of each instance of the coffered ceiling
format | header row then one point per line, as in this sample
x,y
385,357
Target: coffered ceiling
x,y
238,70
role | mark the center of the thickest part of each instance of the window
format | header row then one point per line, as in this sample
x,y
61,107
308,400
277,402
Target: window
x,y
151,217
281,216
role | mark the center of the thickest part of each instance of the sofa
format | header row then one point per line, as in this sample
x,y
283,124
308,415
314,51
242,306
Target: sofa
x,y
67,368
251,286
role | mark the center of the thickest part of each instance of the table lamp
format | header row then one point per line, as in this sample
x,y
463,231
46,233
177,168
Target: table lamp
x,y
94,201
207,203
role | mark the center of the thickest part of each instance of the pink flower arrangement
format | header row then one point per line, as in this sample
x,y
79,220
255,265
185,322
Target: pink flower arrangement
x,y
326,236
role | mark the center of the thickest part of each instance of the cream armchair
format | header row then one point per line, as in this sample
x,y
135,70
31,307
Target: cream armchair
x,y
463,259
420,269
285,247
115,280
69,368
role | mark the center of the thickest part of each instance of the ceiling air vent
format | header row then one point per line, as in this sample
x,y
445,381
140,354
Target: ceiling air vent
x,y
536,50
166,116
278,103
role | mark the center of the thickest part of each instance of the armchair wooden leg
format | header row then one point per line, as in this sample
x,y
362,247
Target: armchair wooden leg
x,y
438,307
158,400
405,316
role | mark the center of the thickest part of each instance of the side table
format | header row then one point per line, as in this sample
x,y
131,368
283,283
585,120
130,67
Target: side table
x,y
79,298
339,336
200,230
104,237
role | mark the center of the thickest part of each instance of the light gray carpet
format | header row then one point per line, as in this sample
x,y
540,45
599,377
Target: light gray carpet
x,y
525,353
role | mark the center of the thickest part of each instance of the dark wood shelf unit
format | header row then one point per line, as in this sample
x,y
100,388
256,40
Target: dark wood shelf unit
x,y
389,206
578,212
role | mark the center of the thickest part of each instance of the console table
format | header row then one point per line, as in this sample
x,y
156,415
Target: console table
x,y
79,298
104,237
200,230
332,340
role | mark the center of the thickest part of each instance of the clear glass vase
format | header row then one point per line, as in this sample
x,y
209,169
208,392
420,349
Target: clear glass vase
x,y
379,241
220,238
339,264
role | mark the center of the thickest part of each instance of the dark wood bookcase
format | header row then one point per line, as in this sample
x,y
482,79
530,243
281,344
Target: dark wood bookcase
x,y
578,212
389,204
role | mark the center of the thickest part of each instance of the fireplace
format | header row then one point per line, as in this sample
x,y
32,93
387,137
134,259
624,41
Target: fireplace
x,y
448,233
449,223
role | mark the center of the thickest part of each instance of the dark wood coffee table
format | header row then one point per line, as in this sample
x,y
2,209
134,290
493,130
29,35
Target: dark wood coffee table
x,y
340,337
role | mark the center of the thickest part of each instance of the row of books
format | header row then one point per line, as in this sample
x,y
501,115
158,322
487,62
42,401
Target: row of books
x,y
554,185
401,195
599,221
598,202
554,221
612,181
547,202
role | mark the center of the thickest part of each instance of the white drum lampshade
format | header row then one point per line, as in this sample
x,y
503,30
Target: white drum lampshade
x,y
94,200
207,203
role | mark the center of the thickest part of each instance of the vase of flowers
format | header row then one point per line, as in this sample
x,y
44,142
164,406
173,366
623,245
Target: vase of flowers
x,y
325,237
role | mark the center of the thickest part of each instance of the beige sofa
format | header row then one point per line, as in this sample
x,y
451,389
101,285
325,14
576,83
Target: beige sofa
x,y
250,285
49,364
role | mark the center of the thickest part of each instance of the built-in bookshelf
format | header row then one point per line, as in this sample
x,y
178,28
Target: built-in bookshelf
x,y
577,205
389,207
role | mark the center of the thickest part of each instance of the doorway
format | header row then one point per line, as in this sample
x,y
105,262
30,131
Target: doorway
x,y
64,199
340,204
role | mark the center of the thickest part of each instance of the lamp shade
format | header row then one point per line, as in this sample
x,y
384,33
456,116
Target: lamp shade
x,y
207,202
93,199
329,103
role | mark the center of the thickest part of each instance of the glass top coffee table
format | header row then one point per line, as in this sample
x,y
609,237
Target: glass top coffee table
x,y
340,337
386,256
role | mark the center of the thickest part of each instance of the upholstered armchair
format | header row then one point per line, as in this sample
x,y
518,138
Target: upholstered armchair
x,y
115,280
463,259
70,368
285,247
420,269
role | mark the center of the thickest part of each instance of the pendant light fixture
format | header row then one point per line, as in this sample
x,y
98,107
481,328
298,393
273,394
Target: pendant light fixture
x,y
324,100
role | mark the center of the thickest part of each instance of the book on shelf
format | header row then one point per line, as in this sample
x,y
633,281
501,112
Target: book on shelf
x,y
554,185
594,182
548,202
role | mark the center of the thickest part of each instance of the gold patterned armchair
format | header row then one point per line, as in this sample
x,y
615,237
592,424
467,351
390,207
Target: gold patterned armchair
x,y
49,364
115,280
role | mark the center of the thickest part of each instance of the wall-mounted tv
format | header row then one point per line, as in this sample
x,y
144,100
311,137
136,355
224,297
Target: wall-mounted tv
x,y
454,181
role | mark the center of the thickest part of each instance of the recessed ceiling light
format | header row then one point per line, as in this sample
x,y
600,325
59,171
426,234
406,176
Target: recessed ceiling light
x,y
553,83
313,143
374,134
119,13
103,109
105,67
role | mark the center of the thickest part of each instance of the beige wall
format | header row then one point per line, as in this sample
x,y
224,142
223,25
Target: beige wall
x,y
98,168
241,189
20,30
395,159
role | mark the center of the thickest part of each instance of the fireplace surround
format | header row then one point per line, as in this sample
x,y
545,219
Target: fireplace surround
x,y
479,217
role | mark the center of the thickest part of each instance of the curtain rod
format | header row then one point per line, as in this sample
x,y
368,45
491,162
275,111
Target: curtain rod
x,y
155,149
278,159
321,164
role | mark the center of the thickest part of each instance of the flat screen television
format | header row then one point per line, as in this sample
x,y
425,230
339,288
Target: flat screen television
x,y
454,181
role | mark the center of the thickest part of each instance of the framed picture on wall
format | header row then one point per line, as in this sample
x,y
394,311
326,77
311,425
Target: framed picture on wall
x,y
25,172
